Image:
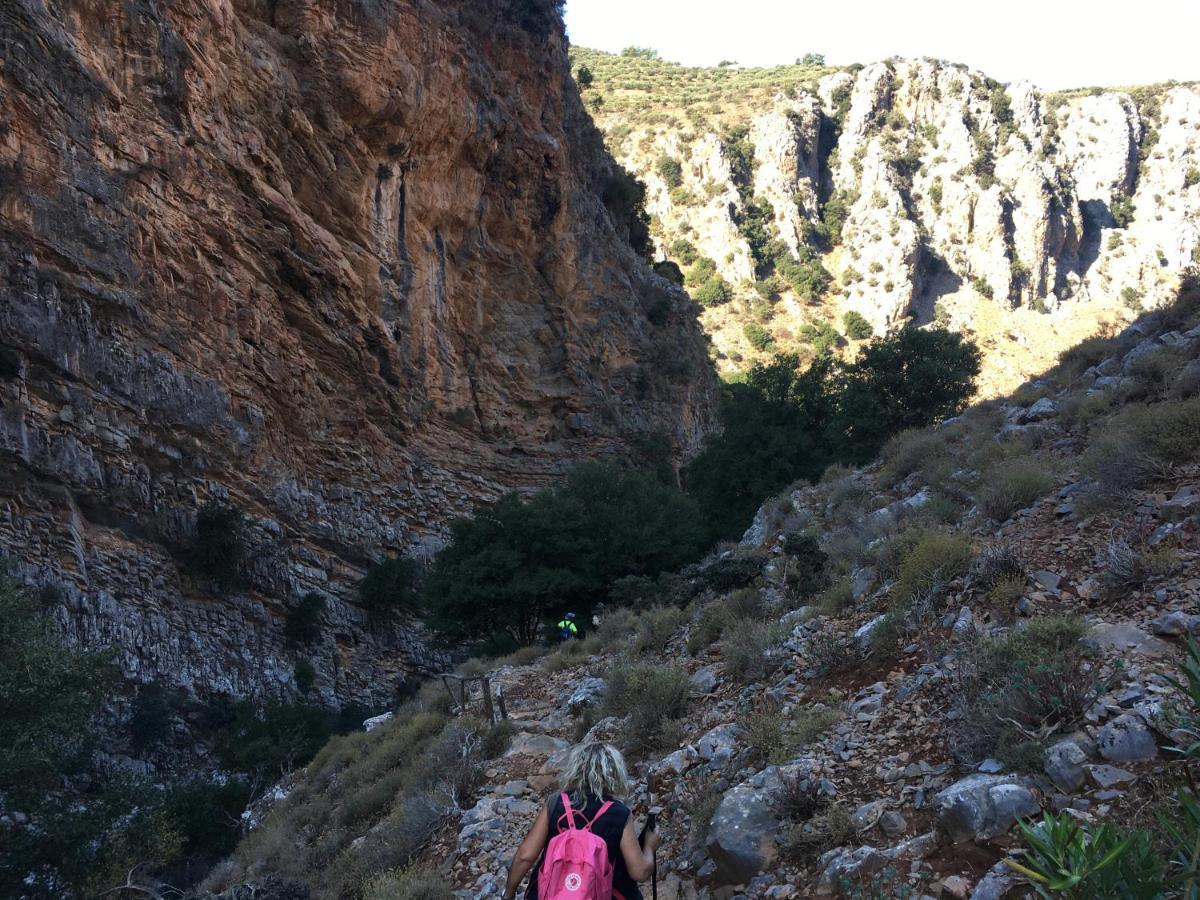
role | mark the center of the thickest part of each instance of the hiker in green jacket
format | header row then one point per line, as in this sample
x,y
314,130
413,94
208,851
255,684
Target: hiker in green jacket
x,y
567,628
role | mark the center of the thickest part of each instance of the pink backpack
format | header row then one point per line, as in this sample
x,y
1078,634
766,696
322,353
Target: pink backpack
x,y
576,866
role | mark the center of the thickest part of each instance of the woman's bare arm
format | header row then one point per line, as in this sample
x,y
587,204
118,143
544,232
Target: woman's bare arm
x,y
527,854
638,860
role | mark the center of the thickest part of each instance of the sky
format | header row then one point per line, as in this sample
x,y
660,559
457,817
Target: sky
x,y
1053,43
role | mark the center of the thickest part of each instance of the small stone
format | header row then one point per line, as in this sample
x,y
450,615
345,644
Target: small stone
x,y
1110,776
1064,765
892,823
1048,580
991,766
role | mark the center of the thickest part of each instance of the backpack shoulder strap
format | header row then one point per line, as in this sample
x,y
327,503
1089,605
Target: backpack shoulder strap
x,y
603,809
568,813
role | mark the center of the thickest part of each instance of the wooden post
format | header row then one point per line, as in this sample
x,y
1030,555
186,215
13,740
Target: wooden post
x,y
500,700
488,709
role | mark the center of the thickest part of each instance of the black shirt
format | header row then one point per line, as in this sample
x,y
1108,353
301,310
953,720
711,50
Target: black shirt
x,y
609,828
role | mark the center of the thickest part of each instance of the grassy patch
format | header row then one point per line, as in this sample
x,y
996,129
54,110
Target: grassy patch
x,y
751,651
932,561
1011,486
653,697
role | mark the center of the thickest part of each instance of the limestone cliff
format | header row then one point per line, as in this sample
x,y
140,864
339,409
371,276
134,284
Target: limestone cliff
x,y
1027,219
343,264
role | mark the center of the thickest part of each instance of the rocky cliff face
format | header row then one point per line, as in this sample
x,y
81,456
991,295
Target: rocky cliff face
x,y
344,265
1024,218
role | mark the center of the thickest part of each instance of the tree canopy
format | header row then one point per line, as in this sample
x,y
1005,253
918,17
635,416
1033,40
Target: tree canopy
x,y
520,561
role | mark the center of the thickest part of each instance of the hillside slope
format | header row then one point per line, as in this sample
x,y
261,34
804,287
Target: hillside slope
x,y
343,266
860,698
924,189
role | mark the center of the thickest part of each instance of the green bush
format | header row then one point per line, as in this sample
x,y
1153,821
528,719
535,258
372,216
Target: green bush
x,y
302,625
391,586
408,884
218,545
684,251
759,337
713,292
656,627
1191,177
584,77
702,272
669,170
653,697
1033,681
305,675
1011,486
935,559
10,364
910,451
1121,208
856,326
520,561
625,198
751,651
151,719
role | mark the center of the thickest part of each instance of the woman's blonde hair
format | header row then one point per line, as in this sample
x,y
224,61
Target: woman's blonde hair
x,y
595,770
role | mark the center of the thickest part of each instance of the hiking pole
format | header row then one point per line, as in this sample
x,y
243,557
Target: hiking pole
x,y
651,825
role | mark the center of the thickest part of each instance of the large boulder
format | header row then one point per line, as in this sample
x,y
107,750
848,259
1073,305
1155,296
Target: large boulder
x,y
980,807
743,830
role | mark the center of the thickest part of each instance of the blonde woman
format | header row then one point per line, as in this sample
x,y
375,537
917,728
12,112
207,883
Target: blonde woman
x,y
595,774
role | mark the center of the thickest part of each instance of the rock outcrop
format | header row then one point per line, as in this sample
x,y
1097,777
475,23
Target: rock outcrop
x,y
1024,218
344,266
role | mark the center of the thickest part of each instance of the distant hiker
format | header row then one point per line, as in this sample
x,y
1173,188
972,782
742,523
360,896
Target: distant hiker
x,y
567,628
585,836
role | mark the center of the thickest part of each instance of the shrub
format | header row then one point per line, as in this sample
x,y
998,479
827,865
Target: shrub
x,y
856,326
671,272
302,625
10,364
998,562
684,251
391,586
806,564
713,292
272,740
625,198
828,654
409,884
1191,177
1013,692
743,605
656,627
751,652
1122,209
653,698
837,598
584,77
305,675
151,719
909,451
670,171
935,559
519,561
1012,486
759,338
217,548
1076,360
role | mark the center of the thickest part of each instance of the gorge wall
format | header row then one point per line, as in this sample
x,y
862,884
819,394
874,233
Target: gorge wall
x,y
342,265
1026,219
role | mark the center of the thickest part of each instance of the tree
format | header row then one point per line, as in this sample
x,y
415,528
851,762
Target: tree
x,y
625,198
811,59
48,695
520,561
669,270
783,424
906,380
583,75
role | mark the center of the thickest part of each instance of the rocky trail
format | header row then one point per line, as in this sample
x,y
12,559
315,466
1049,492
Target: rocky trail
x,y
886,756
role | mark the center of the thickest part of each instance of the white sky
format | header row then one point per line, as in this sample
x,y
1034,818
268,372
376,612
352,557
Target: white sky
x,y
1053,43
